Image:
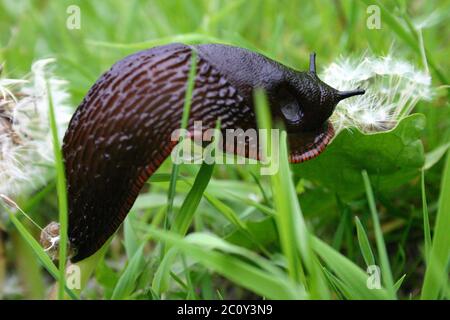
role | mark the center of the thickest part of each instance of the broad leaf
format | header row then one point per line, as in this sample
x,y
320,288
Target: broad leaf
x,y
391,158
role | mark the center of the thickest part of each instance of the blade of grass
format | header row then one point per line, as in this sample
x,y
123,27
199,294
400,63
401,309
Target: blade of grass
x,y
383,257
186,213
235,269
426,219
291,226
350,274
161,279
435,275
181,223
184,122
62,196
399,283
128,279
338,286
294,236
364,243
130,238
39,251
220,206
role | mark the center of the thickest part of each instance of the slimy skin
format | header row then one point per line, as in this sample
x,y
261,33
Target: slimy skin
x,y
121,132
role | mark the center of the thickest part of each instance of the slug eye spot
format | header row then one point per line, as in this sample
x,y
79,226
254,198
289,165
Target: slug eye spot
x,y
292,112
290,107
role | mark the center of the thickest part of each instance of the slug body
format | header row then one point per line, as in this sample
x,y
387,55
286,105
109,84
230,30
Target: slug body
x,y
121,132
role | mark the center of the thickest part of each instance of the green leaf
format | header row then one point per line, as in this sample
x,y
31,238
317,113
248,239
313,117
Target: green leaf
x,y
391,158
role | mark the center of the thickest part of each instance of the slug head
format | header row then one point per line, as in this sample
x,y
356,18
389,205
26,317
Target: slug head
x,y
305,103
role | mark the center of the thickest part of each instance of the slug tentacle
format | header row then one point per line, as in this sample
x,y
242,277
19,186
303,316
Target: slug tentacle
x,y
121,132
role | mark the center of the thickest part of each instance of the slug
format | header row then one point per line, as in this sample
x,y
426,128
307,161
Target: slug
x,y
121,132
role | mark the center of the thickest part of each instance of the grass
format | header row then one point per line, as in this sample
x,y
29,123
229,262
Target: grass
x,y
62,197
438,259
228,231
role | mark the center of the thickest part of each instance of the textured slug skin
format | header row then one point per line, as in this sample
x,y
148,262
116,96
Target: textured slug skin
x,y
121,132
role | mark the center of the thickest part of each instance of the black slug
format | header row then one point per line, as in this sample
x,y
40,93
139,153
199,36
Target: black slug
x,y
121,132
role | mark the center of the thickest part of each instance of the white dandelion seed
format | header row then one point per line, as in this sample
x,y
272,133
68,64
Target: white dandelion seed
x,y
26,151
393,87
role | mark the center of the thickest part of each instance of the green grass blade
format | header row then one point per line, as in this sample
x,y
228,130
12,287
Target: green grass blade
x,y
128,279
435,275
226,211
340,287
130,237
220,206
294,236
350,274
364,243
426,219
185,215
381,247
399,283
62,196
184,122
242,273
160,282
183,220
39,251
286,206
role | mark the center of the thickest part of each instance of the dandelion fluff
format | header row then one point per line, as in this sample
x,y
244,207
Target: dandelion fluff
x,y
25,136
393,87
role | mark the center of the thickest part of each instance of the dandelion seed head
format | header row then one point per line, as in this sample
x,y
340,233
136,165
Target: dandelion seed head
x,y
25,138
393,87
